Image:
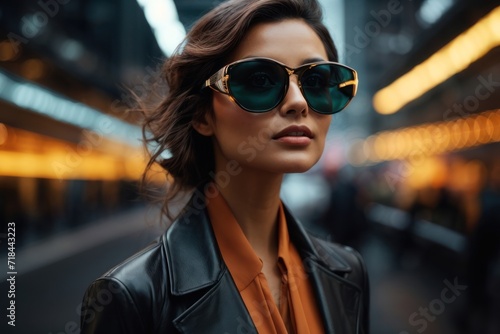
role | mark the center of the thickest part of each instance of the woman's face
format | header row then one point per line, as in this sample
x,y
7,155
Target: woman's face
x,y
265,142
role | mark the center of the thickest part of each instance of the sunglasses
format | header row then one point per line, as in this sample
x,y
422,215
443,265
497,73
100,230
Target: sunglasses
x,y
259,85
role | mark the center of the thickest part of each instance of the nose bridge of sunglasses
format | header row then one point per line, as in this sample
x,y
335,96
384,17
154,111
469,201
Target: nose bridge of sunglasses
x,y
290,71
293,73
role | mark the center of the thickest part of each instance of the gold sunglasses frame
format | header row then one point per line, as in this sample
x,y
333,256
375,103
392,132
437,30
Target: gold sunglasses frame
x,y
219,80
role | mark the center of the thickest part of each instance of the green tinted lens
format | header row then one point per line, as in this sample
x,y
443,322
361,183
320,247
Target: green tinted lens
x,y
257,85
320,85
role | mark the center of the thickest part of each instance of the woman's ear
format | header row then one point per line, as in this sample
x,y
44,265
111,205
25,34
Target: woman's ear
x,y
204,126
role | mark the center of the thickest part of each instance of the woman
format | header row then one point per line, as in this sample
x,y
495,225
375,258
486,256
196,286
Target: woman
x,y
251,94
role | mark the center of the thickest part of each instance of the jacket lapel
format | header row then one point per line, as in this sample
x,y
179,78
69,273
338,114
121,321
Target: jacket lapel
x,y
209,301
220,311
339,299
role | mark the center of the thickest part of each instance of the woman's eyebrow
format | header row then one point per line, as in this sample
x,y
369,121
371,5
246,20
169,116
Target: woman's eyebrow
x,y
312,60
305,61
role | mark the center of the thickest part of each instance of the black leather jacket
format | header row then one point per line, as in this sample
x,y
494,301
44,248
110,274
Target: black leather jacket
x,y
180,284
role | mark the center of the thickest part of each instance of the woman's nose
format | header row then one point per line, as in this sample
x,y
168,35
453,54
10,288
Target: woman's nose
x,y
294,101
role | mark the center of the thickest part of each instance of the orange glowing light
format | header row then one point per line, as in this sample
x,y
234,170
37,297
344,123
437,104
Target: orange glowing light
x,y
453,58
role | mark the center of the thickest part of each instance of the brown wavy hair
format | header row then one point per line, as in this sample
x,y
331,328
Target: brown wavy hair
x,y
185,155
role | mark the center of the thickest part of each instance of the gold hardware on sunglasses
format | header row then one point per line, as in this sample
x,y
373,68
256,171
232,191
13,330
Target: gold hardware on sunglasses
x,y
353,82
219,80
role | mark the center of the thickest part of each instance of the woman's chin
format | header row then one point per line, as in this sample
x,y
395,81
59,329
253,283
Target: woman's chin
x,y
295,167
299,169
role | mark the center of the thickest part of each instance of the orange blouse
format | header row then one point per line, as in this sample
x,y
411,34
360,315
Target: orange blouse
x,y
298,312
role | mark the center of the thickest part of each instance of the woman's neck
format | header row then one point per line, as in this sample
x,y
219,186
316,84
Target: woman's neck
x,y
254,200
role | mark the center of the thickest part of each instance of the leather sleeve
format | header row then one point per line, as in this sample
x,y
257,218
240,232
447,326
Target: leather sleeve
x,y
108,308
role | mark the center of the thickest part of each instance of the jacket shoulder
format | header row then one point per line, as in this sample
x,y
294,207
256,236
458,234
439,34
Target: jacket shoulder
x,y
121,300
141,266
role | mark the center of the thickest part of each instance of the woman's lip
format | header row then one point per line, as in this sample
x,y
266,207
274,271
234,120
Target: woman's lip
x,y
295,131
294,140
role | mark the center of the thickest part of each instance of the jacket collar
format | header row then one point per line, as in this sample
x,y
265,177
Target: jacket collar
x,y
195,261
312,248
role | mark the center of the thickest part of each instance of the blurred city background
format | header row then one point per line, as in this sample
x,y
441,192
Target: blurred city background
x,y
410,176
